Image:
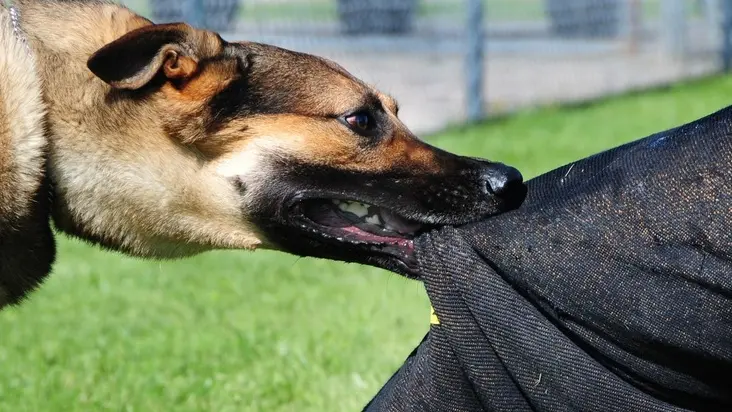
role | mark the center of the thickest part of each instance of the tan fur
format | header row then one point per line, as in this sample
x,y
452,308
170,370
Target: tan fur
x,y
22,141
311,141
28,248
115,168
118,172
164,141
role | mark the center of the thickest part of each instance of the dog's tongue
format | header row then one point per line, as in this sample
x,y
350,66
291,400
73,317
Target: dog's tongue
x,y
394,222
327,214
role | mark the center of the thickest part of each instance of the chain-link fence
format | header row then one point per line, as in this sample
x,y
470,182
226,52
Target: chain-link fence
x,y
450,60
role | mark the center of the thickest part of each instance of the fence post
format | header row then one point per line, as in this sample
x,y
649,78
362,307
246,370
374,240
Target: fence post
x,y
726,35
633,17
474,60
194,13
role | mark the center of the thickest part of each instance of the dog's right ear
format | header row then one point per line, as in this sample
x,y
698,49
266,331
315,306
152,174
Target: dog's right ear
x,y
134,59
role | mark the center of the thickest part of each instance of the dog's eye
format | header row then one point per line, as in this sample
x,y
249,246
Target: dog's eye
x,y
360,122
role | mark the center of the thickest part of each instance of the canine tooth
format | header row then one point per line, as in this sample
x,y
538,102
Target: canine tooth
x,y
374,220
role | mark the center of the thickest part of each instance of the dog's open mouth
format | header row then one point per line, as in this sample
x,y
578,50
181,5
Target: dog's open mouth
x,y
359,224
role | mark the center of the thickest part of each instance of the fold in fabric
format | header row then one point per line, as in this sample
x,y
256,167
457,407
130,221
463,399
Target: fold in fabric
x,y
610,289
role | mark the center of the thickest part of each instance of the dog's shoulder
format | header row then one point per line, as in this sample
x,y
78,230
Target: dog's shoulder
x,y
26,242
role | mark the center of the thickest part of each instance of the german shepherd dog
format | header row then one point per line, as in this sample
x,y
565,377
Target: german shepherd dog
x,y
164,141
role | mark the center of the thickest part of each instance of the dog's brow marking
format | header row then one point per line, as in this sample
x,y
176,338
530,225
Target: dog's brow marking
x,y
337,68
391,102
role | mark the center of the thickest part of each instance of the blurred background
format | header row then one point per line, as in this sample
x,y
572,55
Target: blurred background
x,y
532,83
452,60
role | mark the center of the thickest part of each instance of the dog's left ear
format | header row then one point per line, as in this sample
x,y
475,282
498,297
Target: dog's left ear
x,y
134,59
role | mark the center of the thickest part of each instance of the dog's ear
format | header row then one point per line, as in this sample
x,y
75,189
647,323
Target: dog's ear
x,y
134,59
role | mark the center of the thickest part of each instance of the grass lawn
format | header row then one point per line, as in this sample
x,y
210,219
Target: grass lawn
x,y
235,331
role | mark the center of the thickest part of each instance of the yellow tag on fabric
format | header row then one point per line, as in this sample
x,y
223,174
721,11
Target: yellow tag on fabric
x,y
433,317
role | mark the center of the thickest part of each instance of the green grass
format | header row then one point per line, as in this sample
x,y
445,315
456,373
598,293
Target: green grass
x,y
541,139
235,331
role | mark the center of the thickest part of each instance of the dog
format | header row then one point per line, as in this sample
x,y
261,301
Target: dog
x,y
163,141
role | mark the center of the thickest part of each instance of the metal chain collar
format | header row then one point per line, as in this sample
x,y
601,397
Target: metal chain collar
x,y
15,21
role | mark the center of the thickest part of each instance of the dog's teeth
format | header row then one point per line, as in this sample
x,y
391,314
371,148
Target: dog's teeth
x,y
374,220
358,209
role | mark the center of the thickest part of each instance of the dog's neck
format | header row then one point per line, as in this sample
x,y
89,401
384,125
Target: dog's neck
x,y
110,156
73,30
15,21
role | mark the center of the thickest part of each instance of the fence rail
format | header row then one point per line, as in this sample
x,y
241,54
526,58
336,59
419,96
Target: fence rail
x,y
448,61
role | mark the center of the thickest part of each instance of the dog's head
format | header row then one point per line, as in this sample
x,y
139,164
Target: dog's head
x,y
312,160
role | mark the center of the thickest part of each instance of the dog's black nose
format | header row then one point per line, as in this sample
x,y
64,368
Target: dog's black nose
x,y
503,181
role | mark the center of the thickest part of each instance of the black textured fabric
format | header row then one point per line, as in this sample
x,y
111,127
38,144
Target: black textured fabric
x,y
610,289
